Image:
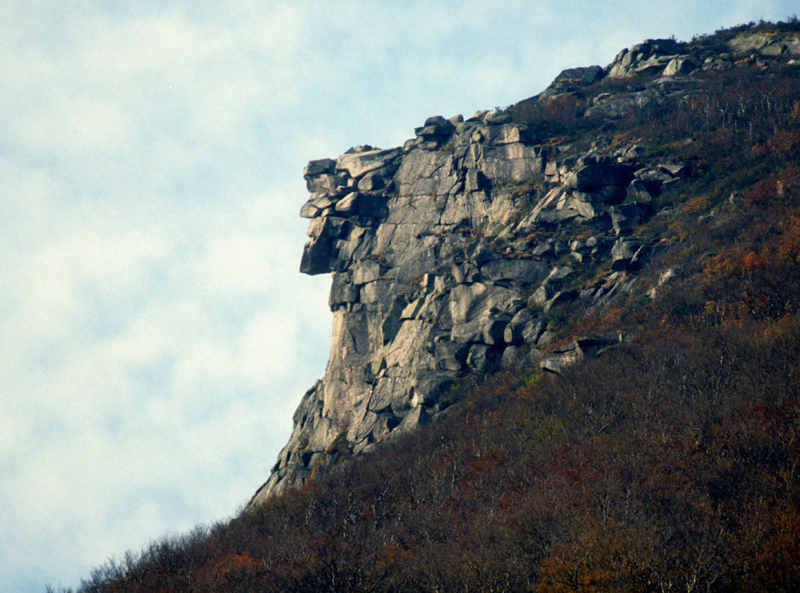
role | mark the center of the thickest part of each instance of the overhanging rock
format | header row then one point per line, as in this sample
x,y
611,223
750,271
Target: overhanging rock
x,y
454,255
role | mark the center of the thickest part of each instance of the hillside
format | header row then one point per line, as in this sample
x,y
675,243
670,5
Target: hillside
x,y
565,348
477,244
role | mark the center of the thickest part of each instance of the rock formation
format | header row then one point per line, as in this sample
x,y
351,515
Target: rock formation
x,y
454,254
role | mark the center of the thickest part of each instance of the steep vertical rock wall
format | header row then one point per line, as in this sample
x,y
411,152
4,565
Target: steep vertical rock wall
x,y
454,253
445,261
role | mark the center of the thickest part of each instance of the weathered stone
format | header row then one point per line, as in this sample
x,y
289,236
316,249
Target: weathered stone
x,y
372,181
413,419
638,192
436,126
766,44
520,357
309,210
544,250
316,256
360,163
493,330
623,252
550,287
373,205
511,163
576,351
509,134
343,291
415,263
679,170
450,356
593,177
319,167
653,179
556,217
366,270
560,359
430,386
612,106
393,320
323,183
559,274
540,297
573,78
482,359
420,172
524,271
333,226
478,301
348,204
471,331
463,299
435,248
680,65
385,398
496,118
469,210
625,217
524,327
644,57
562,296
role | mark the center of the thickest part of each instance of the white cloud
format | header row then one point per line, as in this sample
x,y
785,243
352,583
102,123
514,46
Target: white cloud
x,y
77,124
155,334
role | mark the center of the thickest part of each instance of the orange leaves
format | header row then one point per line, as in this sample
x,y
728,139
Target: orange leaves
x,y
763,191
794,115
226,568
576,570
783,552
784,142
759,278
784,187
753,263
600,556
667,464
697,204
788,248
722,264
390,556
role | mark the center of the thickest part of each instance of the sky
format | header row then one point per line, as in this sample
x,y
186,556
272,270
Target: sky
x,y
155,333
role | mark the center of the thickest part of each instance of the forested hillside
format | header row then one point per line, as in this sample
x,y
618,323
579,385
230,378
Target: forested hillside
x,y
668,461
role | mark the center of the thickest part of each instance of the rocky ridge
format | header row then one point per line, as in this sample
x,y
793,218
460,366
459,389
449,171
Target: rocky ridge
x,y
455,254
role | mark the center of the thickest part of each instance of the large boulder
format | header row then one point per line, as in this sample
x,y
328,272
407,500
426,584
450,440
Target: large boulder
x,y
594,176
766,44
572,79
650,57
358,163
574,352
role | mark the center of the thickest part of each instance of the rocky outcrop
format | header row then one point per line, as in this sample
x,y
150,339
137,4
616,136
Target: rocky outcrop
x,y
766,44
667,57
447,258
650,57
454,254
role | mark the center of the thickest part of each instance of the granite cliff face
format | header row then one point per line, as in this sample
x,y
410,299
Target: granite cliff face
x,y
457,253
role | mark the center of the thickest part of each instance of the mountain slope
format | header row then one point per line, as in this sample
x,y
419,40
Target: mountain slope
x,y
566,349
480,241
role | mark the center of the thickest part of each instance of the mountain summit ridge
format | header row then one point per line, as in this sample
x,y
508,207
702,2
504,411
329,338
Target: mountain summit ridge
x,y
457,253
564,354
465,250
454,254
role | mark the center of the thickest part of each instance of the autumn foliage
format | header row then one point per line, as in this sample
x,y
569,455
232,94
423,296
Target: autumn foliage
x,y
668,463
656,467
